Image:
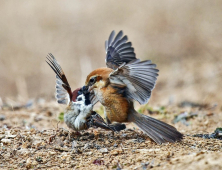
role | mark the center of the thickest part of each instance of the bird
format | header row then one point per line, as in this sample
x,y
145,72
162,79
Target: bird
x,y
127,79
79,114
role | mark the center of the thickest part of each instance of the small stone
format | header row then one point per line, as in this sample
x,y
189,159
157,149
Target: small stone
x,y
28,163
11,136
34,163
86,146
89,153
38,118
115,145
116,152
74,144
103,150
51,153
6,141
2,117
65,156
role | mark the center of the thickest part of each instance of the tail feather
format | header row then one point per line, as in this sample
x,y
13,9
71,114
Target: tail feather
x,y
157,130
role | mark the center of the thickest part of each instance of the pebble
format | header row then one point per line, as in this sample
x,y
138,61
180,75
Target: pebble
x,y
2,117
51,153
89,153
28,163
103,150
6,141
11,136
116,152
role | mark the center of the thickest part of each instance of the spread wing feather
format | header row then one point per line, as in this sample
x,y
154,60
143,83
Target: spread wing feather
x,y
118,50
139,77
63,90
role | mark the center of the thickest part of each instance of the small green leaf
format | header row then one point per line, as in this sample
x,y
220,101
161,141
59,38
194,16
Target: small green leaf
x,y
61,116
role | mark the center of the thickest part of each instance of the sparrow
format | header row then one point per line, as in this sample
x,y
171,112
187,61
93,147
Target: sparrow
x,y
79,114
124,80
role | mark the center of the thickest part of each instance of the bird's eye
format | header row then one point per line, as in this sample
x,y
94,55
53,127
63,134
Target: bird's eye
x,y
92,80
79,98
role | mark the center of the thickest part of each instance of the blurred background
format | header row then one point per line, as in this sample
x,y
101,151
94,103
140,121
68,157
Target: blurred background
x,y
184,39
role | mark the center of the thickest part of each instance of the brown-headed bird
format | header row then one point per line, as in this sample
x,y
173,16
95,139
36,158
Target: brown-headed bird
x,y
125,79
79,114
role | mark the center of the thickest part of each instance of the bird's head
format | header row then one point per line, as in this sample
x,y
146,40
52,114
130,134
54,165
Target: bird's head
x,y
98,78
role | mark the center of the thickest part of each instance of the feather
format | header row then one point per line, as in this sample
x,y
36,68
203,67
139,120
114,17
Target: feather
x,y
124,46
118,50
118,37
63,90
111,38
139,77
126,50
157,130
106,45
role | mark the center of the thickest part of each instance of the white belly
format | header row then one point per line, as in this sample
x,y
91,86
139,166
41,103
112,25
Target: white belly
x,y
75,116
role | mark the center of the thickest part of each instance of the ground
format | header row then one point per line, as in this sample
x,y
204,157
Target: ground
x,y
33,136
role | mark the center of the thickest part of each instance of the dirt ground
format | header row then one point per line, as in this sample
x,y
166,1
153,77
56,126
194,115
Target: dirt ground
x,y
182,38
33,137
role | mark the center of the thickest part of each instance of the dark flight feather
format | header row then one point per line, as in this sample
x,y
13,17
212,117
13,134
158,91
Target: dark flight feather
x,y
63,90
118,50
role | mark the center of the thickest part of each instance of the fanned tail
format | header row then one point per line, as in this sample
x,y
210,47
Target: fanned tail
x,y
157,130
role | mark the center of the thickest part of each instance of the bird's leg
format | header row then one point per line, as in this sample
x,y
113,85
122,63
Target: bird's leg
x,y
115,126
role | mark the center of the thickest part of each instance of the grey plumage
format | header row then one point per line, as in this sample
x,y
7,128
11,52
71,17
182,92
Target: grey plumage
x,y
157,130
63,91
118,50
139,77
117,38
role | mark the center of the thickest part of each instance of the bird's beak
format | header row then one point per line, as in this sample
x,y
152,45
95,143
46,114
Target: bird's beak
x,y
90,88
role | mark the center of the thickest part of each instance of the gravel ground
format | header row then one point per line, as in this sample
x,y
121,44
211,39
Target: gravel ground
x,y
34,138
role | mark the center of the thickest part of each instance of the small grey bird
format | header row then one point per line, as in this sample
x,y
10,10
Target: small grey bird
x,y
79,114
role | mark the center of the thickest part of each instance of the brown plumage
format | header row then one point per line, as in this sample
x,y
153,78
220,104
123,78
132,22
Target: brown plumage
x,y
127,79
79,114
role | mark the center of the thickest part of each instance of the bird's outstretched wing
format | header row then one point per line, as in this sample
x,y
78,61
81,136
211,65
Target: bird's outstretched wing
x,y
118,50
139,77
63,90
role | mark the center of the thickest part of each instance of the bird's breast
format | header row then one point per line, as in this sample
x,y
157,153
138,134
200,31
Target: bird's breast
x,y
116,106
